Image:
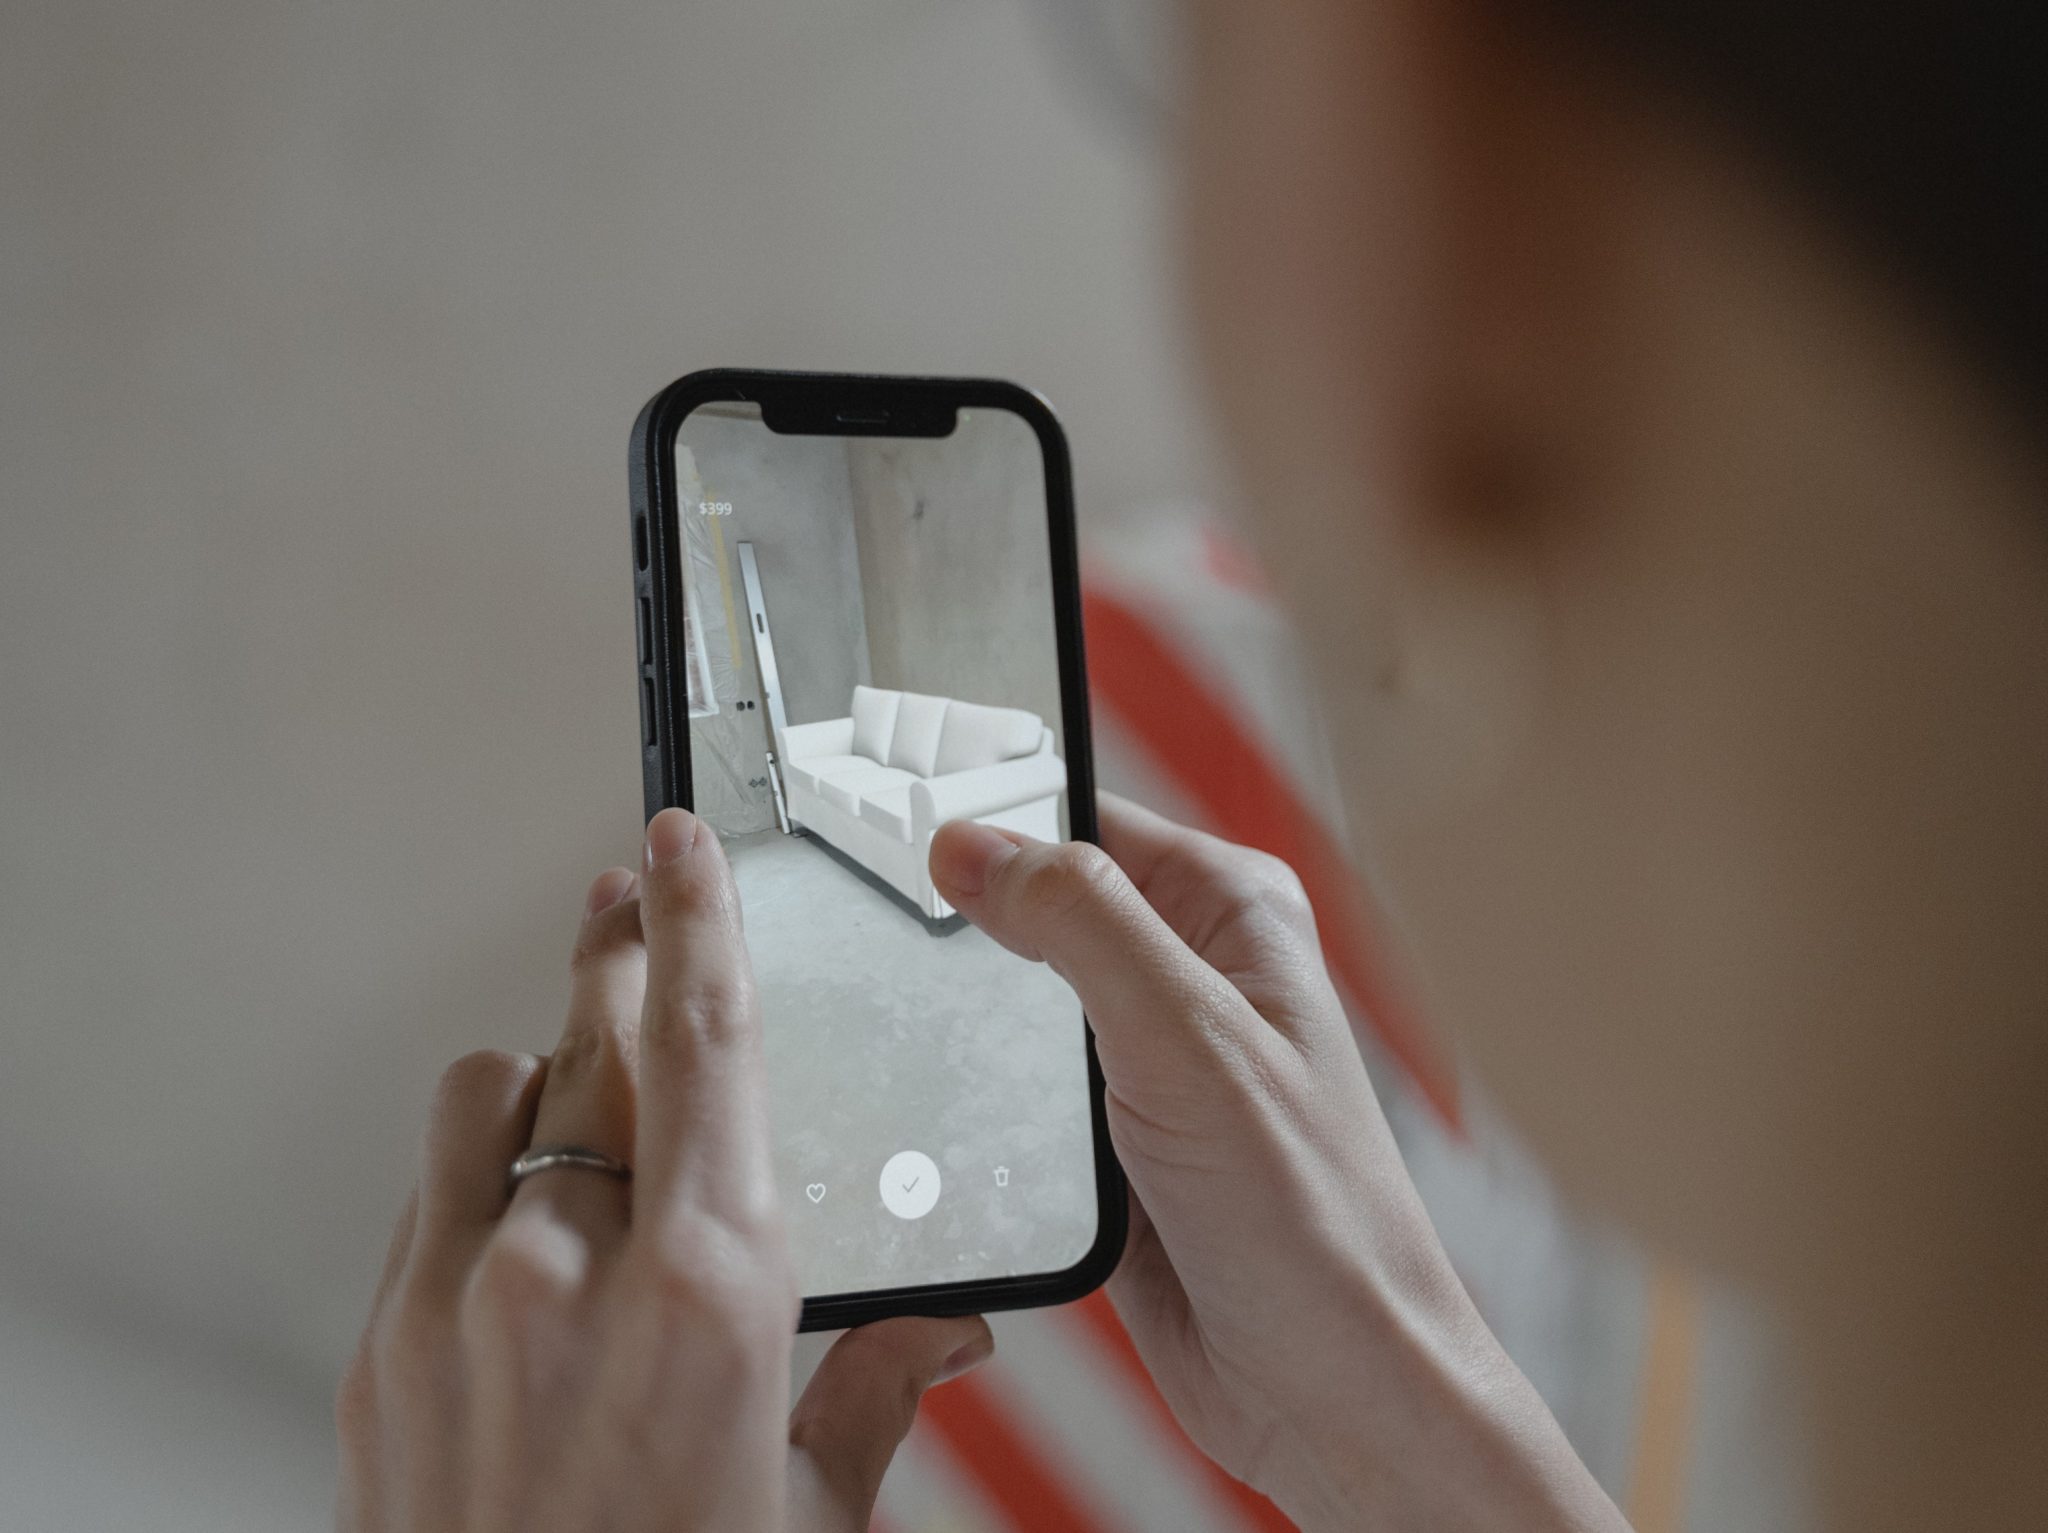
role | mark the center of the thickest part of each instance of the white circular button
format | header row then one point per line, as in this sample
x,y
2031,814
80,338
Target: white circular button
x,y
910,1184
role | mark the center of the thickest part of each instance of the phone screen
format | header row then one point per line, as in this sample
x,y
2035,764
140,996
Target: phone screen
x,y
870,650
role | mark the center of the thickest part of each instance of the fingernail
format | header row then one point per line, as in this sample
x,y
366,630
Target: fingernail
x,y
965,855
669,834
966,1360
611,886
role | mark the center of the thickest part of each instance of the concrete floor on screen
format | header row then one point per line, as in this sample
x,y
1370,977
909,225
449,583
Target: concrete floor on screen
x,y
882,1037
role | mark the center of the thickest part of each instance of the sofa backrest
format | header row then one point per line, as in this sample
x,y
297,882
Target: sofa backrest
x,y
978,736
874,721
915,745
932,736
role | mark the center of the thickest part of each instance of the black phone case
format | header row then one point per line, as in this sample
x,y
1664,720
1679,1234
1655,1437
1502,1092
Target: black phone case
x,y
849,404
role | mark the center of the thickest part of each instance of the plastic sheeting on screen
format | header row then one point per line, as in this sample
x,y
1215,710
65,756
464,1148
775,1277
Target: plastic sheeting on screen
x,y
728,739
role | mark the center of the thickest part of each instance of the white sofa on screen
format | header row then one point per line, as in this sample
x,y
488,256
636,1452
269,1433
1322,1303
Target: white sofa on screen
x,y
878,782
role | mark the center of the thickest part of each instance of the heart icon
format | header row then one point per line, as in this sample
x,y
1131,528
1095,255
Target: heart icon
x,y
815,1192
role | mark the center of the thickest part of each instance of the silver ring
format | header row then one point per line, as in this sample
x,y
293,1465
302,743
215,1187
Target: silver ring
x,y
565,1157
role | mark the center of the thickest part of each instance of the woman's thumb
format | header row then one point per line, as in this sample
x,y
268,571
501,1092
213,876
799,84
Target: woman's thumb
x,y
1069,904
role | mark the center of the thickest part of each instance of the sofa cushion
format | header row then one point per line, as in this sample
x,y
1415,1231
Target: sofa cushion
x,y
888,810
874,721
811,771
915,745
845,790
977,736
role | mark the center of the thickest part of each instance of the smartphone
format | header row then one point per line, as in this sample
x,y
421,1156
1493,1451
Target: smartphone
x,y
859,618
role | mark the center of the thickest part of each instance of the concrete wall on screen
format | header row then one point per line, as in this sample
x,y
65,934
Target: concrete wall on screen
x,y
791,498
955,570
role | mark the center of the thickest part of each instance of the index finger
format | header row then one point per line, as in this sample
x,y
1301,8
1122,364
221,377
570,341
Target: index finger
x,y
702,1143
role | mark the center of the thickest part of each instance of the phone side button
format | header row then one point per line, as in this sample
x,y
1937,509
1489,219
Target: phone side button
x,y
646,630
646,711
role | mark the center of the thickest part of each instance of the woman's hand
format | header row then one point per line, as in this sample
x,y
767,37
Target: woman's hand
x,y
1282,1282
593,1353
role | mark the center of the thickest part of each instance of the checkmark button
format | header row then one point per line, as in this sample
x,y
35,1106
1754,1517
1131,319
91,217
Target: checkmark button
x,y
910,1184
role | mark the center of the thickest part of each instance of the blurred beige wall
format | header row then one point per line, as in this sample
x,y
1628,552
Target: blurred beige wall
x,y
324,327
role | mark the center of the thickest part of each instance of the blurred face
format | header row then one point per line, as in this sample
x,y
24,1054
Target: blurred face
x,y
1675,697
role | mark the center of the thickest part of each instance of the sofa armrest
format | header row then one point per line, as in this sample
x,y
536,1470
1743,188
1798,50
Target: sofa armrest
x,y
984,790
829,737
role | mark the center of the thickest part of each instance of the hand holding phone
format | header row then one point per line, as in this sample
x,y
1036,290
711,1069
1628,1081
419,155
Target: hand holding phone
x,y
590,1349
1284,1284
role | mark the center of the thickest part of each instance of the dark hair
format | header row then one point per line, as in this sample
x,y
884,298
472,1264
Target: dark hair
x,y
1921,125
